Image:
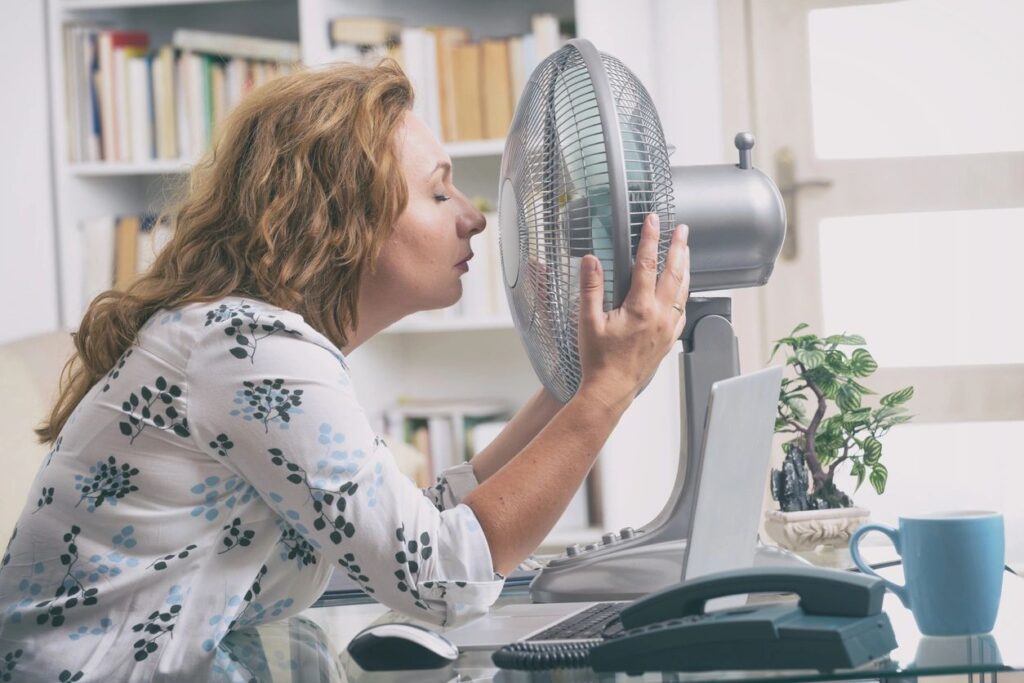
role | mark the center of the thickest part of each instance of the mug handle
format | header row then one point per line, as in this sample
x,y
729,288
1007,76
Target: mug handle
x,y
894,536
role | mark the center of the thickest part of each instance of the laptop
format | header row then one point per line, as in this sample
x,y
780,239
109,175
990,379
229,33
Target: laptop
x,y
737,448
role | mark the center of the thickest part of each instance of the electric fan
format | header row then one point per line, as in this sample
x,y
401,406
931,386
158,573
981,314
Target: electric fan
x,y
585,161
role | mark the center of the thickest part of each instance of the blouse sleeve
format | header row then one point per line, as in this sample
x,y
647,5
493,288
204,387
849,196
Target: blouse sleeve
x,y
286,418
452,486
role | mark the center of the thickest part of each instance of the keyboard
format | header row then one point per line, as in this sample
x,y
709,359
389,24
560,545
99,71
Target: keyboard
x,y
586,625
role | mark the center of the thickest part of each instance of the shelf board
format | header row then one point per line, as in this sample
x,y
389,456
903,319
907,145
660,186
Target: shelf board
x,y
98,169
475,148
77,5
453,324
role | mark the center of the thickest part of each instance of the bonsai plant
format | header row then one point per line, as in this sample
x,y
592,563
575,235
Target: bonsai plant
x,y
850,436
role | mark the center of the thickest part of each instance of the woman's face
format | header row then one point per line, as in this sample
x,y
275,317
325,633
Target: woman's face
x,y
421,265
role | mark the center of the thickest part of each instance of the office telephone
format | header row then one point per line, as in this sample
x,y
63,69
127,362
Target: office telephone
x,y
837,624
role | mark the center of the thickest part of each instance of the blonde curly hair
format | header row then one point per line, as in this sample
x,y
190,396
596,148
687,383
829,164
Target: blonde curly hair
x,y
291,205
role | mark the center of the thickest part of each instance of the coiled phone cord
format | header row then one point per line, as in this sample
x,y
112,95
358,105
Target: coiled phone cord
x,y
527,656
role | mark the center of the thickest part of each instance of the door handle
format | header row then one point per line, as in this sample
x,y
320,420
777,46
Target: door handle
x,y
785,179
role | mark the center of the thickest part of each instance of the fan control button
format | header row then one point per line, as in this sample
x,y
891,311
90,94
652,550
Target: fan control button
x,y
608,539
591,546
627,533
572,550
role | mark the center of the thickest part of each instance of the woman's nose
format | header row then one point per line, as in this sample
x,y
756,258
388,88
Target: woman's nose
x,y
471,221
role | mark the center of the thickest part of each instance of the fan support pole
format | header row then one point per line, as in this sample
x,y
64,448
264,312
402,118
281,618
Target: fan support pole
x,y
634,562
710,354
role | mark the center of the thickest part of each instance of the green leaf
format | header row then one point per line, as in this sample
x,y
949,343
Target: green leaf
x,y
808,342
898,397
829,386
848,398
861,389
836,360
879,475
810,358
801,326
862,364
886,412
872,450
857,416
858,470
846,340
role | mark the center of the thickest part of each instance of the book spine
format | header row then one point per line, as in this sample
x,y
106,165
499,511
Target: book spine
x,y
122,124
469,123
139,109
105,86
230,45
496,90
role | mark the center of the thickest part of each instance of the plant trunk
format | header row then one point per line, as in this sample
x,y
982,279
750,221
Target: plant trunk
x,y
818,474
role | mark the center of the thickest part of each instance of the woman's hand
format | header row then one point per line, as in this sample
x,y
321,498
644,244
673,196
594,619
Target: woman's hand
x,y
621,349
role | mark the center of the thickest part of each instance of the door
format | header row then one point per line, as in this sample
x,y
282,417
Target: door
x,y
893,130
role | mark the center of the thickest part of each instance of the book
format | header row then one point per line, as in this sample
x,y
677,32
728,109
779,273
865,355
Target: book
x,y
364,30
495,87
98,240
546,34
139,109
446,38
440,429
123,54
230,45
466,79
89,110
165,116
516,69
106,80
153,236
218,101
418,56
126,251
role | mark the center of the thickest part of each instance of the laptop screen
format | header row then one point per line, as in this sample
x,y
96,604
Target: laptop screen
x,y
737,449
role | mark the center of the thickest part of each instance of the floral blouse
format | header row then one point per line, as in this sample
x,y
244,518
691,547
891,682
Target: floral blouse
x,y
212,481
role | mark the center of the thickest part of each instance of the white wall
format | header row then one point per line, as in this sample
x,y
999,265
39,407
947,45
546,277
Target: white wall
x,y
28,284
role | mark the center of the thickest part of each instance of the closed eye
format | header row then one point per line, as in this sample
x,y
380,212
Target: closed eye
x,y
441,197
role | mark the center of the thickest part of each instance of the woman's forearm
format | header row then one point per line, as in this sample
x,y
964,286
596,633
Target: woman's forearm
x,y
519,504
526,424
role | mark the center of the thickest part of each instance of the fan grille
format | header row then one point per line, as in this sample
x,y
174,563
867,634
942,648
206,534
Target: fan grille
x,y
557,166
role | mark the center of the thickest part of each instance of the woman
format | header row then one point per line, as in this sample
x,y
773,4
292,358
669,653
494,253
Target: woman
x,y
186,495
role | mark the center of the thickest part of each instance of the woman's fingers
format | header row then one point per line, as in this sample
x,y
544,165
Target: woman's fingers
x,y
591,292
675,279
645,266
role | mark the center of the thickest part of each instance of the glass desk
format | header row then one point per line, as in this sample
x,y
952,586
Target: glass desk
x,y
997,656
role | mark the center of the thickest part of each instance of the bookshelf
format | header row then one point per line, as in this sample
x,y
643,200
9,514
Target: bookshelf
x,y
87,169
453,356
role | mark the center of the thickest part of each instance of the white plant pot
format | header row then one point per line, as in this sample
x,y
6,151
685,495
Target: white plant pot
x,y
810,529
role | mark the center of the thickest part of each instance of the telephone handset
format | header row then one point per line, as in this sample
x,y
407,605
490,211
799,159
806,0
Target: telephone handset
x,y
838,623
821,592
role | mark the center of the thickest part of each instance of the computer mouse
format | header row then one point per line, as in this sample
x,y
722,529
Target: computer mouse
x,y
391,647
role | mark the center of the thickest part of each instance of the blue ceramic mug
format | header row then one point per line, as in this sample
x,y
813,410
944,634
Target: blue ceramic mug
x,y
953,569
